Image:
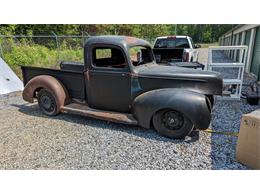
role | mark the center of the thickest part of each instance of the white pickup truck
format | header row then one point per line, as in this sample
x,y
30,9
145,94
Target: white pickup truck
x,y
169,49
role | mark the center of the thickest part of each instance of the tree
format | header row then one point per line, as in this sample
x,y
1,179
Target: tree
x,y
199,32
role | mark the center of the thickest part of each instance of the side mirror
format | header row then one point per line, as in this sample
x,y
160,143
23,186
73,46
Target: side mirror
x,y
197,46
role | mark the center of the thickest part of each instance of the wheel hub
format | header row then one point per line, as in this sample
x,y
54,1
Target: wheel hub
x,y
47,103
172,120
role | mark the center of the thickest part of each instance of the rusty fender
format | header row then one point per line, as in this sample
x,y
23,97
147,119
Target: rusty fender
x,y
49,83
193,105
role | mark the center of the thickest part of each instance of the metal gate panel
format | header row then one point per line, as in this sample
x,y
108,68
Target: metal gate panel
x,y
247,39
255,67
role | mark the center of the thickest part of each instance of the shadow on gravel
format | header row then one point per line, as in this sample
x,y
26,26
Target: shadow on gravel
x,y
33,110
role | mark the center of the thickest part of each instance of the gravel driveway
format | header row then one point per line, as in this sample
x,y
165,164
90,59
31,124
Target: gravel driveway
x,y
31,140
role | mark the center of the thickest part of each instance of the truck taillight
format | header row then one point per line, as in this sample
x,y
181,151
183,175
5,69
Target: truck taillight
x,y
171,37
185,57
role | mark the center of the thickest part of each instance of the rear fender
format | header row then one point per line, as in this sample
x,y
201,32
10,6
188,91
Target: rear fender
x,y
193,105
49,83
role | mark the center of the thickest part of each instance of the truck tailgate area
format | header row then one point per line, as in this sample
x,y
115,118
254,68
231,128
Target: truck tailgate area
x,y
163,55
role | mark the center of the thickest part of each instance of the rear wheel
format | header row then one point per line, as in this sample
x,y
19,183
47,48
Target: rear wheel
x,y
47,102
171,123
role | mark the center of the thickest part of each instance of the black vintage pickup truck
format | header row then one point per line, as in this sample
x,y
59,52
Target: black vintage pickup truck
x,y
121,82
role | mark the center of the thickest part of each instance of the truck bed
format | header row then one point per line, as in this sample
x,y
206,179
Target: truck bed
x,y
73,80
164,55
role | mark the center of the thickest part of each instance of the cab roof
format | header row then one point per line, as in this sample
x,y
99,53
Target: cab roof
x,y
123,41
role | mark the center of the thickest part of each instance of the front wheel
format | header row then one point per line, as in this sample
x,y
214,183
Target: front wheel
x,y
172,124
47,102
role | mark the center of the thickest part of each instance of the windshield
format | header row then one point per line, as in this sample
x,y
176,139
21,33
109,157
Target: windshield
x,y
141,55
172,43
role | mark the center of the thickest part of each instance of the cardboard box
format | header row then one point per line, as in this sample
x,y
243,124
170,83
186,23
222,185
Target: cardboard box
x,y
248,144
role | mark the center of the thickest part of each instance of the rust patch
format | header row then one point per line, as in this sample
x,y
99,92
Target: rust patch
x,y
131,40
134,75
49,83
87,75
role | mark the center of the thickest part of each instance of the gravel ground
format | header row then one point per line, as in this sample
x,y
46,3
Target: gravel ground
x,y
31,140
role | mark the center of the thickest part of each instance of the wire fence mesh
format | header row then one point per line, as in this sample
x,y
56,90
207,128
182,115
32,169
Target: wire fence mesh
x,y
41,50
52,42
46,50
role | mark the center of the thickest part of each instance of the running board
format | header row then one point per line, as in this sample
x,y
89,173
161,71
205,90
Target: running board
x,y
84,110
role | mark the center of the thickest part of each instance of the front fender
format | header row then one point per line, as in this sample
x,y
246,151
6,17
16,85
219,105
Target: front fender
x,y
193,105
49,83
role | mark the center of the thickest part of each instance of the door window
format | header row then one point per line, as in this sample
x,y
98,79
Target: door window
x,y
140,55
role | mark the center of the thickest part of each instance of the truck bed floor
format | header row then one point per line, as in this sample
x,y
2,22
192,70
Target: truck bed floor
x,y
84,110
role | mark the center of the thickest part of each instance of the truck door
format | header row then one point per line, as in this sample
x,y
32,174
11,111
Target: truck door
x,y
108,79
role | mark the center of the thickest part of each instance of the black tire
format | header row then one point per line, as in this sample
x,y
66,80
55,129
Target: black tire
x,y
172,124
47,102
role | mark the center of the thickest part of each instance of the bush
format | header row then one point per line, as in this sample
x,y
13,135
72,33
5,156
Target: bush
x,y
71,55
40,56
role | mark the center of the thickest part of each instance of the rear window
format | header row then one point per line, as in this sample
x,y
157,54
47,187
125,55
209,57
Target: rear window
x,y
172,43
108,57
103,53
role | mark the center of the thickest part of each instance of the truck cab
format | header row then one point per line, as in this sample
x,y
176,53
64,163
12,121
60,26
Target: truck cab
x,y
120,81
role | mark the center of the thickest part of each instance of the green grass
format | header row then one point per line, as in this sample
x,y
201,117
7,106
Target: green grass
x,y
206,45
39,56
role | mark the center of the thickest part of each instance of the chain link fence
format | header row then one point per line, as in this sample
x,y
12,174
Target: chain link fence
x,y
52,42
41,50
